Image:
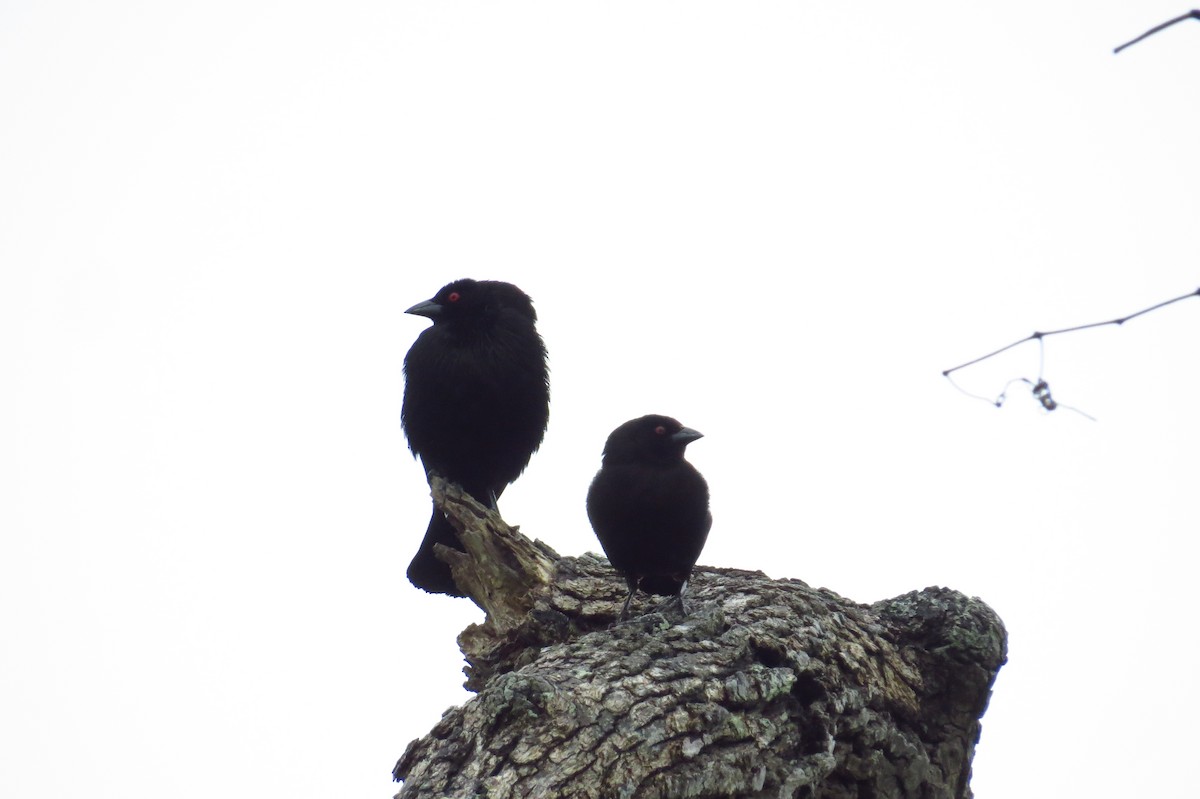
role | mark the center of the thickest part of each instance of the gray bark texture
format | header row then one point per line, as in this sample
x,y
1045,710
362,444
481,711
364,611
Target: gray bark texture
x,y
766,688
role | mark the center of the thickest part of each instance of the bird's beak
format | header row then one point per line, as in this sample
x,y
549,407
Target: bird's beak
x,y
686,436
429,309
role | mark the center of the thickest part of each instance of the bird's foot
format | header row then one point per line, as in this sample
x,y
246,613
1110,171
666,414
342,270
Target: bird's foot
x,y
624,614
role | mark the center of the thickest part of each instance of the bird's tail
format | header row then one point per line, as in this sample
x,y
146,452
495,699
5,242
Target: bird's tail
x,y
426,571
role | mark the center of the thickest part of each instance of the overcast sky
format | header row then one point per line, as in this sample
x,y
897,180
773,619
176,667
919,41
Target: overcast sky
x,y
778,222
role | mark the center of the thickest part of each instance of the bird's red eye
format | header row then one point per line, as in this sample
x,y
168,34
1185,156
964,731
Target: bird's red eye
x,y
660,431
454,297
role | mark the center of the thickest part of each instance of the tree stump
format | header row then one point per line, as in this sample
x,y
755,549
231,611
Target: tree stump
x,y
767,688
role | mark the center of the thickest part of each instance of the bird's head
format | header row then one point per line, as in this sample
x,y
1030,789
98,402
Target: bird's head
x,y
649,439
474,300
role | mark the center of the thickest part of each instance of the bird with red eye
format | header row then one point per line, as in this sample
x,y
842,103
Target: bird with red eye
x,y
476,402
649,507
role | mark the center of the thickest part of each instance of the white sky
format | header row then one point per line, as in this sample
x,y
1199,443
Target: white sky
x,y
777,222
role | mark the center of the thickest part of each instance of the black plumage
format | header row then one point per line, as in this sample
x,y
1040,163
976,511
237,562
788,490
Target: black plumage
x,y
476,401
649,506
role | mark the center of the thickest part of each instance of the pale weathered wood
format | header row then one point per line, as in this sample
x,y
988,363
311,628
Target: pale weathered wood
x,y
768,688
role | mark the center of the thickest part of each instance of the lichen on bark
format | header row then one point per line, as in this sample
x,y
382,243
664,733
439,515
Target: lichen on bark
x,y
766,688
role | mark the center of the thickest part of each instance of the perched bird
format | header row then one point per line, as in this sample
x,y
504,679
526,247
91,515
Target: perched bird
x,y
476,401
649,506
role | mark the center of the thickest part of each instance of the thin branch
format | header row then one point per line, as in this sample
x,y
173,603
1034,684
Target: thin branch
x,y
1040,388
1041,335
1156,29
1040,391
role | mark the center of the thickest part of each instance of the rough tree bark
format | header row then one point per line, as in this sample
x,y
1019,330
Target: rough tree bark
x,y
767,688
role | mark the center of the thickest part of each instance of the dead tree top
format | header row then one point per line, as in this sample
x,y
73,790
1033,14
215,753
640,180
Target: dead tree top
x,y
767,688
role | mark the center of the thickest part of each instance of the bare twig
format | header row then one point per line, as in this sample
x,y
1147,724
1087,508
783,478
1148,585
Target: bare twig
x,y
1040,388
1157,28
1042,335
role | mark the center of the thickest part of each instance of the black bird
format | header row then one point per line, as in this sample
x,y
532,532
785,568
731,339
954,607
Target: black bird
x,y
649,506
476,401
